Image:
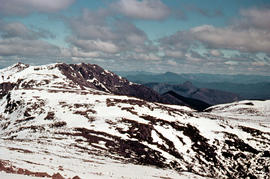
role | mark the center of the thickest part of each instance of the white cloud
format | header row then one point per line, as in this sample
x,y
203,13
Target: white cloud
x,y
259,63
174,54
24,7
191,58
215,53
95,45
231,63
246,40
259,18
27,48
91,32
75,52
17,29
145,9
249,33
20,43
173,63
108,47
14,29
92,25
144,56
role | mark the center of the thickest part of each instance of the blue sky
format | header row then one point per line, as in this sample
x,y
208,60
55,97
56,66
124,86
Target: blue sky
x,y
182,36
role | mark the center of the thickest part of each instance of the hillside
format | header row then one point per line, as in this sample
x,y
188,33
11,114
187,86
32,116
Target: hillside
x,y
52,123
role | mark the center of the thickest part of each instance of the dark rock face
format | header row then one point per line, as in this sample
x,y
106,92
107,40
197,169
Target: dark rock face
x,y
190,102
5,88
93,76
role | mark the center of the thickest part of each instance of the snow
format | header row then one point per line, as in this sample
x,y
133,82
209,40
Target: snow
x,y
73,163
113,113
108,72
48,150
4,175
95,81
253,113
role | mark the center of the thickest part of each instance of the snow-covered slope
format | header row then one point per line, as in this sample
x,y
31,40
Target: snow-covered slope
x,y
51,124
257,112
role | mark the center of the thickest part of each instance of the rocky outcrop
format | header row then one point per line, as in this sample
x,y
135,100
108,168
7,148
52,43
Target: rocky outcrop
x,y
95,77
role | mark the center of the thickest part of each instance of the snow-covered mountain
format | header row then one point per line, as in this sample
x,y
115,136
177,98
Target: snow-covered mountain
x,y
82,76
81,121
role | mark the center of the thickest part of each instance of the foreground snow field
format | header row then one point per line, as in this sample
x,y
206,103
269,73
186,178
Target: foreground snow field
x,y
50,124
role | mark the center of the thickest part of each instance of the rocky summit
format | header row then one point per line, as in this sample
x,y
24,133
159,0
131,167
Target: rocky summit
x,y
81,121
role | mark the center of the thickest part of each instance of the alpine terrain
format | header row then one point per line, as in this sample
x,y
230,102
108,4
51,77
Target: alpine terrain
x,y
81,121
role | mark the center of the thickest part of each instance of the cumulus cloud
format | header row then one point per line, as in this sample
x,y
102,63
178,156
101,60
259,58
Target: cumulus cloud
x,y
177,45
24,7
92,32
172,62
145,9
250,33
27,48
178,40
174,54
95,45
258,18
193,57
259,63
145,56
17,29
246,40
231,63
215,53
76,53
91,25
18,40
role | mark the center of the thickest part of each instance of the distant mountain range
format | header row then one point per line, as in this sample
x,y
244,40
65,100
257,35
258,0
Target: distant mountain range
x,y
188,90
245,86
175,78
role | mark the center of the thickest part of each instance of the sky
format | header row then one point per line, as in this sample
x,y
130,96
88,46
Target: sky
x,y
181,36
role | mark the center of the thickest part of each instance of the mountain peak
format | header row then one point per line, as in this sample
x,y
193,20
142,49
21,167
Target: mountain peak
x,y
16,67
82,76
20,65
170,73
